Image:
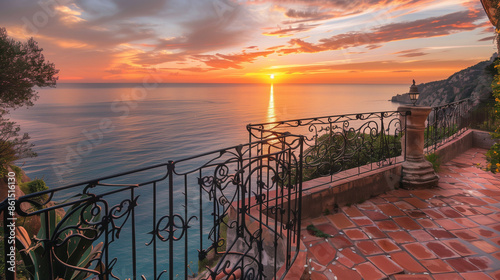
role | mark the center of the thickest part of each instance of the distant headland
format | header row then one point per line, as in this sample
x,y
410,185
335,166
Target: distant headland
x,y
473,82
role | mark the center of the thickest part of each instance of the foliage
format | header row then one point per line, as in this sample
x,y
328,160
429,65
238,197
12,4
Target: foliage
x,y
493,158
72,239
433,135
212,259
490,68
493,154
21,272
435,160
19,173
317,232
34,186
12,147
330,154
483,116
22,67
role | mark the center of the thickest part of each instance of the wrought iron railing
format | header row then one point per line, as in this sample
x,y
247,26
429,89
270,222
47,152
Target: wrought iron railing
x,y
231,212
446,123
342,145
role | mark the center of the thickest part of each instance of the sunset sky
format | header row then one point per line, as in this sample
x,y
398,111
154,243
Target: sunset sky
x,y
233,41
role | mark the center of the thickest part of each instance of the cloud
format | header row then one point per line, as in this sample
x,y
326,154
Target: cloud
x,y
286,32
157,57
212,26
411,53
377,66
487,39
373,46
423,28
317,10
302,16
221,61
121,37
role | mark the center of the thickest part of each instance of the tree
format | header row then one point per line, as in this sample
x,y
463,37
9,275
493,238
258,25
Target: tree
x,y
22,67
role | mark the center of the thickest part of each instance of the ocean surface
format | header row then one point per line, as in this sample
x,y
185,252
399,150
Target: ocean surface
x,y
86,131
145,126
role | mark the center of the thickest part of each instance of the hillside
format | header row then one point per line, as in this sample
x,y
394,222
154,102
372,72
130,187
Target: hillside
x,y
473,82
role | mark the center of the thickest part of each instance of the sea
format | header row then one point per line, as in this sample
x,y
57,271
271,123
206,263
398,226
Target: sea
x,y
87,131
134,126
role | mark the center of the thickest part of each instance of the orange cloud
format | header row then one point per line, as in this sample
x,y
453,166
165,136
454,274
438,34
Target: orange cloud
x,y
411,53
285,32
221,61
423,28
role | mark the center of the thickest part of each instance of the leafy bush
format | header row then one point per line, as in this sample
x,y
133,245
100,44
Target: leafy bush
x,y
313,230
435,160
493,154
434,135
493,158
335,153
483,116
12,146
34,186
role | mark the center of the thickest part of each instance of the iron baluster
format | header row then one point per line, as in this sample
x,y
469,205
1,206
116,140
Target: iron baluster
x,y
134,256
171,218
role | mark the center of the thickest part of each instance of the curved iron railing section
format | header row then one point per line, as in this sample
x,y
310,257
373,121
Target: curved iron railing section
x,y
334,144
446,123
231,212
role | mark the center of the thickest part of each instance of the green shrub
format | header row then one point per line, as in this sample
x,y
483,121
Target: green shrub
x,y
34,186
335,153
493,158
212,258
435,135
435,160
18,172
493,154
317,232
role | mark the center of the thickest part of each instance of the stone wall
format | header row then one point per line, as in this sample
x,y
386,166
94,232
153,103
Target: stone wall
x,y
354,189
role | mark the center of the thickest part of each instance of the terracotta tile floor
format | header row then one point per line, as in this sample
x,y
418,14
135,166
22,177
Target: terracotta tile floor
x,y
449,232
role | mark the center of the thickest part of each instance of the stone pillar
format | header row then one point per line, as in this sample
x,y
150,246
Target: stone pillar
x,y
417,171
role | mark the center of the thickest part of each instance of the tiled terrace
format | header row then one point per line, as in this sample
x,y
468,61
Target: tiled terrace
x,y
449,232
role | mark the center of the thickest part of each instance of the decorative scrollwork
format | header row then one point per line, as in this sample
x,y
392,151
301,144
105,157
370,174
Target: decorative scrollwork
x,y
165,224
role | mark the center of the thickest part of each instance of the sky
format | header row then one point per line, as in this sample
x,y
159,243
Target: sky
x,y
247,41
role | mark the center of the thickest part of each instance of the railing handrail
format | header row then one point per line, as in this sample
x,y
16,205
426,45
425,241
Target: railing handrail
x,y
251,125
453,103
107,177
446,122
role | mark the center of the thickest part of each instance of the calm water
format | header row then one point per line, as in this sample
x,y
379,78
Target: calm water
x,y
170,122
88,131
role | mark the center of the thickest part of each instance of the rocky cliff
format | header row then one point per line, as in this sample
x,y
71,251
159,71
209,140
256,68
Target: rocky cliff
x,y
473,82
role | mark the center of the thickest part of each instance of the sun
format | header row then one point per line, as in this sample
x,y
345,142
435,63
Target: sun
x,y
271,76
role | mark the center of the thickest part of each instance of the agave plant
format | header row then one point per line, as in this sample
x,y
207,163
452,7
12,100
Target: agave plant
x,y
71,248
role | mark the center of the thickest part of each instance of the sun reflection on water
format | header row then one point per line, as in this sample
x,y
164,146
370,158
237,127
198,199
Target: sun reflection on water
x,y
271,113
